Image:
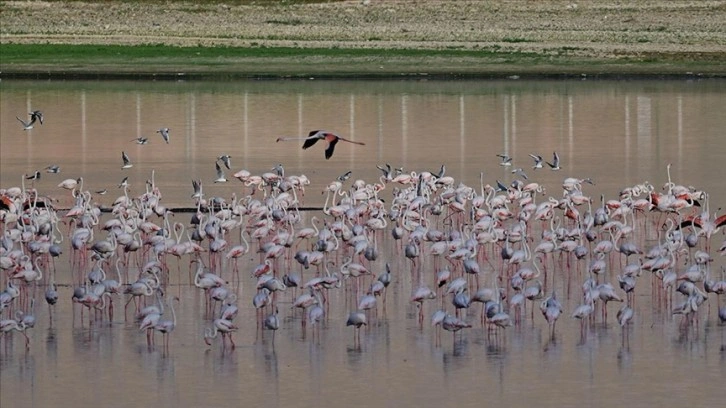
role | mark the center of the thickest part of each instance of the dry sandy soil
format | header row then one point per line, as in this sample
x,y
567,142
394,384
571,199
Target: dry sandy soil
x,y
680,30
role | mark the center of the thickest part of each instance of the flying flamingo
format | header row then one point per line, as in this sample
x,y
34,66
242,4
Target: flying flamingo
x,y
331,138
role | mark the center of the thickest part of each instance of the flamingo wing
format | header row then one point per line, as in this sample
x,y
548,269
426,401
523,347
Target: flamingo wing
x,y
310,141
331,147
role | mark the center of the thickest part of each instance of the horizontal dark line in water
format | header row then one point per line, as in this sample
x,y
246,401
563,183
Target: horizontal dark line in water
x,y
191,209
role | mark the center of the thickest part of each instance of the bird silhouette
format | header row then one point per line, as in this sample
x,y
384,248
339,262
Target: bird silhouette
x,y
331,138
164,132
220,174
225,158
555,165
126,160
537,161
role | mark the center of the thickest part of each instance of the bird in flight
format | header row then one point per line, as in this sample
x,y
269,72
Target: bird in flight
x,y
225,158
501,187
53,168
141,140
345,176
279,170
34,176
220,174
555,165
124,182
164,133
331,138
520,172
197,186
506,160
34,116
537,161
127,161
26,125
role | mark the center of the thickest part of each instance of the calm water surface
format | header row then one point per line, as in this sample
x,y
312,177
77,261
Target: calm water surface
x,y
618,133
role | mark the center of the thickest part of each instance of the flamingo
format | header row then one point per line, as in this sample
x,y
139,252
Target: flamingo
x,y
167,326
272,322
331,138
223,326
453,324
8,325
357,319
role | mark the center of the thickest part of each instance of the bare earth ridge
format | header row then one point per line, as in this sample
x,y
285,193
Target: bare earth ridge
x,y
605,30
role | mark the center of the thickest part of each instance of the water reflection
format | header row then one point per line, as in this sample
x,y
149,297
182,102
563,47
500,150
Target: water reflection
x,y
619,133
459,126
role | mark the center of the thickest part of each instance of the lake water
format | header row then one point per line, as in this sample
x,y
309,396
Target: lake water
x,y
619,133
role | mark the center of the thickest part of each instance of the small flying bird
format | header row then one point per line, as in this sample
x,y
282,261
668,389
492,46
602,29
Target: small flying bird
x,y
164,133
501,187
36,115
537,161
555,165
506,160
279,170
127,161
27,125
520,172
331,138
225,158
53,168
345,176
387,173
141,140
197,186
101,192
220,174
124,182
34,176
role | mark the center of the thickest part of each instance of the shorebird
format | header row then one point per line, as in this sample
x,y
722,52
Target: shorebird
x,y
141,140
537,161
127,161
555,165
164,133
124,182
34,176
331,138
225,158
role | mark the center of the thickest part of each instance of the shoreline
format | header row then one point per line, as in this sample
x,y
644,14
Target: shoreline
x,y
362,40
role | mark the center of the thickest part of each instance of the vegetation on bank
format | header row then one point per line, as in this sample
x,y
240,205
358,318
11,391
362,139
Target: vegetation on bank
x,y
260,61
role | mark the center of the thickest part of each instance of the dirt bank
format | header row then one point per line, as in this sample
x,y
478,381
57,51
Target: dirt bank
x,y
613,30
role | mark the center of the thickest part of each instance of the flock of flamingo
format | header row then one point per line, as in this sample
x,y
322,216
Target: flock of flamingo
x,y
508,248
